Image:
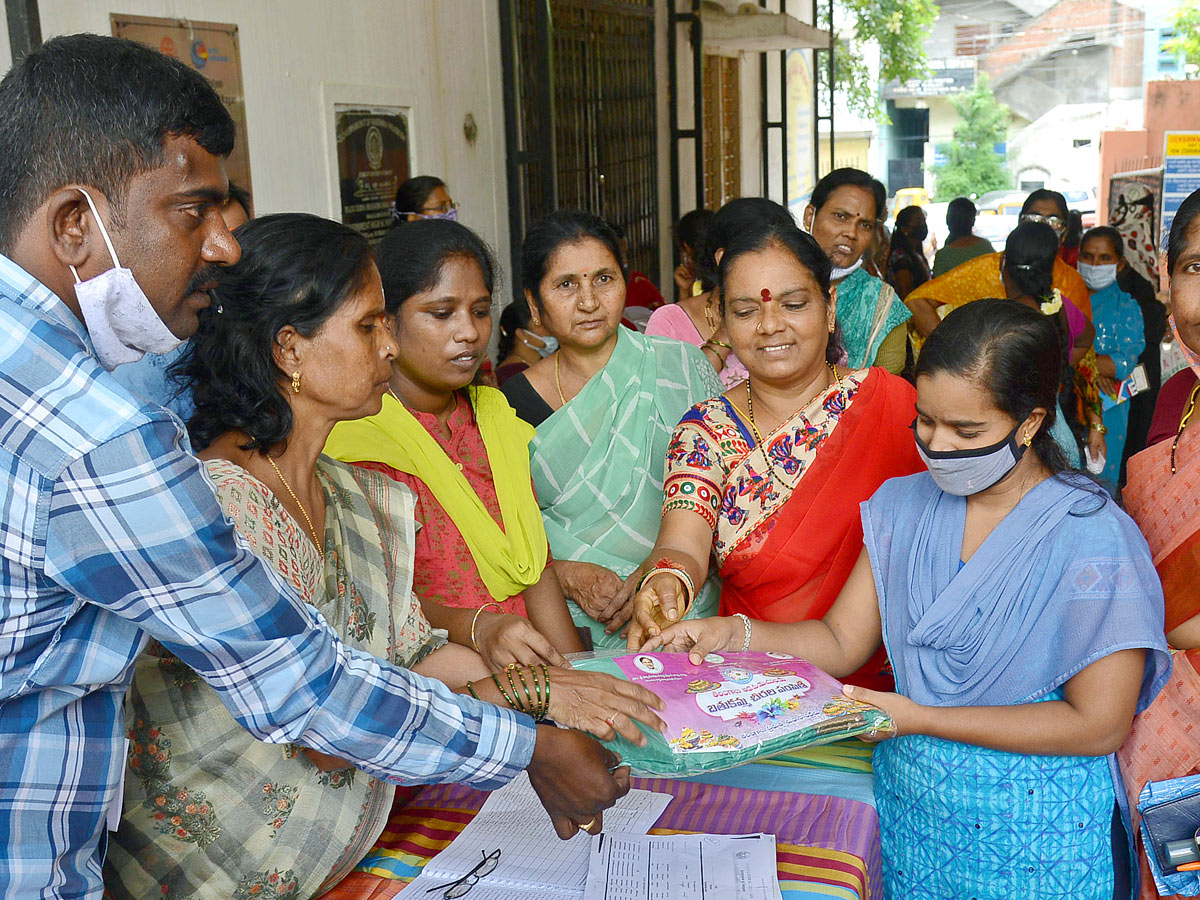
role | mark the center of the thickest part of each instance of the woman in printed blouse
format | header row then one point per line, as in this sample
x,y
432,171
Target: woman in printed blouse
x,y
483,567
769,476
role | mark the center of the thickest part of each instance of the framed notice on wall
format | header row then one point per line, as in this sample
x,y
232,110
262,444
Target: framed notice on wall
x,y
1181,173
211,48
373,159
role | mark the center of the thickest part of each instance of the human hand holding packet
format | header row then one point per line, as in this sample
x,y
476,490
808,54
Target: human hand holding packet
x,y
733,708
1136,383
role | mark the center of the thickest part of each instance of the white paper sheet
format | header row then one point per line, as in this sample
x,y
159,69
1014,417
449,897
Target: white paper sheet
x,y
534,861
682,867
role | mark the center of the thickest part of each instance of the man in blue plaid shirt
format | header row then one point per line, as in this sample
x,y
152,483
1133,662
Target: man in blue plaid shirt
x,y
109,531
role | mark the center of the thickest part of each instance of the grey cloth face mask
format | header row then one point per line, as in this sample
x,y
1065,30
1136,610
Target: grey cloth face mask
x,y
967,472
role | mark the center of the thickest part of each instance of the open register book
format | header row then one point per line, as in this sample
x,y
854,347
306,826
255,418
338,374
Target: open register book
x,y
533,861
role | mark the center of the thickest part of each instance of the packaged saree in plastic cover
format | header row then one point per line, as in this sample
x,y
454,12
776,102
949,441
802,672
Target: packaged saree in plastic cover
x,y
733,708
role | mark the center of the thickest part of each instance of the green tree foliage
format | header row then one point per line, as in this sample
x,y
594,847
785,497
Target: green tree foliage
x,y
1187,32
972,164
899,28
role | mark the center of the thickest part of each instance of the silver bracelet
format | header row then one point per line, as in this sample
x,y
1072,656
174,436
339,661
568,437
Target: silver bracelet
x,y
746,624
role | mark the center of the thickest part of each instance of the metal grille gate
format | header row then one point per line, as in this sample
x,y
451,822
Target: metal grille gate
x,y
579,99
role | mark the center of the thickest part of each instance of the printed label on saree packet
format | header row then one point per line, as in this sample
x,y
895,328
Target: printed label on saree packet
x,y
736,700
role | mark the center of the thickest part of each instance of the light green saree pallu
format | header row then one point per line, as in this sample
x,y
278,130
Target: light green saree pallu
x,y
598,462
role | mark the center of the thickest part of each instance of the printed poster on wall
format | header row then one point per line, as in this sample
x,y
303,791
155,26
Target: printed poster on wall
x,y
373,160
211,48
1181,173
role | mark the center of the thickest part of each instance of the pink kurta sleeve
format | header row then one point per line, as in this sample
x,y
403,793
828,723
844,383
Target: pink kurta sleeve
x,y
673,321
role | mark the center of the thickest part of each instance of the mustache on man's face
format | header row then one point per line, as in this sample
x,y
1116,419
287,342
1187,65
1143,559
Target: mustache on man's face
x,y
201,277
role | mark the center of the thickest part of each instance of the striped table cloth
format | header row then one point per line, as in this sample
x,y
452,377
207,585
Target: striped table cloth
x,y
828,847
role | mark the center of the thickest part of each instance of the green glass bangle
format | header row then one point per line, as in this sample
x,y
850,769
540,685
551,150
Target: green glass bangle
x,y
512,685
507,699
525,687
537,689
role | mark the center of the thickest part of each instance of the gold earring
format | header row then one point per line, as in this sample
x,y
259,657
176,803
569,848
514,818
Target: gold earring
x,y
1028,440
295,382
832,327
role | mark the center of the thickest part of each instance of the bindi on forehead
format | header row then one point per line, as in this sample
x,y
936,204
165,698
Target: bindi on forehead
x,y
766,295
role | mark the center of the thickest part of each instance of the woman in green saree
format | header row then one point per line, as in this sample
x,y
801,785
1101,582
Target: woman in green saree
x,y
604,407
846,210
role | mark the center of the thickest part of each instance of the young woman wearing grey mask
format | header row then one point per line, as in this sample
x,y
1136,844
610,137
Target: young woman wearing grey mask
x,y
1022,615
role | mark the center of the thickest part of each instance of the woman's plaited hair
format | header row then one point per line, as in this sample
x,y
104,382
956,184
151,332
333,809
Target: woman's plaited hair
x,y
1029,256
740,215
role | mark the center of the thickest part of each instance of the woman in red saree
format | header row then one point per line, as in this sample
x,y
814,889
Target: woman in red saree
x,y
1161,496
770,475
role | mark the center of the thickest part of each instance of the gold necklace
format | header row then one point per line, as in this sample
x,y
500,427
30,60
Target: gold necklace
x,y
754,428
558,381
758,437
304,512
1183,424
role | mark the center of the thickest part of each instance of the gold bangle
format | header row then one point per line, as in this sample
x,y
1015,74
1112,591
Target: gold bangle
x,y
667,567
1098,427
475,619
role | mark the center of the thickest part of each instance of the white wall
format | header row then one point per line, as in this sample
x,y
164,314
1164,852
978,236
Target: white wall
x,y
5,49
442,58
1048,143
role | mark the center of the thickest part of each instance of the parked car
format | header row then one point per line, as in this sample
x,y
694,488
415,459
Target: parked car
x,y
1085,202
999,214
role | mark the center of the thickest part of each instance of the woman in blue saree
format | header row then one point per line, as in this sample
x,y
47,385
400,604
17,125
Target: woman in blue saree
x,y
1022,615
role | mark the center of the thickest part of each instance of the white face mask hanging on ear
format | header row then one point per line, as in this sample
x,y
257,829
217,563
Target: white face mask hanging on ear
x,y
120,320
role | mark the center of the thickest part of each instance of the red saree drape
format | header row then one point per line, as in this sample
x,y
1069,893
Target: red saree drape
x,y
817,535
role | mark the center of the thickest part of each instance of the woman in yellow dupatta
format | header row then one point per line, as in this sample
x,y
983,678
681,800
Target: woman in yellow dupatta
x,y
482,556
